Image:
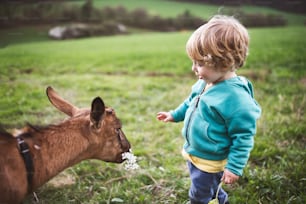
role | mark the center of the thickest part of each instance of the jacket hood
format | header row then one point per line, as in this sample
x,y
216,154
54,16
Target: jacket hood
x,y
246,84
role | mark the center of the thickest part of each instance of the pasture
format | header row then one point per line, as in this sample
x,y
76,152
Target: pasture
x,y
139,75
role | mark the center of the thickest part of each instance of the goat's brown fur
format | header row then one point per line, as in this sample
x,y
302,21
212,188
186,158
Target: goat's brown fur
x,y
88,134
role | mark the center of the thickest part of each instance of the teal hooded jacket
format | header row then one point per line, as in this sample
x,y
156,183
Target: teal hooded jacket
x,y
220,123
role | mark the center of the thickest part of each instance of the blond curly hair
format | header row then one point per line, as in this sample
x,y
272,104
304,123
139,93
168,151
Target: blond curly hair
x,y
222,43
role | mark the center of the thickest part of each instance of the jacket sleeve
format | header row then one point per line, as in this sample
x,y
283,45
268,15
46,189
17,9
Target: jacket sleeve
x,y
179,113
241,129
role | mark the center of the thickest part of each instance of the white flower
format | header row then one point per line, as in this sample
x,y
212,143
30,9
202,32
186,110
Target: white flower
x,y
131,160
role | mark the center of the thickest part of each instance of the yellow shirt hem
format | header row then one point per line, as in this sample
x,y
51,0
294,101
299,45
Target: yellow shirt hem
x,y
209,166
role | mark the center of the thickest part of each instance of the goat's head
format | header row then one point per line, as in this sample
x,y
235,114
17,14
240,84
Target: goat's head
x,y
101,126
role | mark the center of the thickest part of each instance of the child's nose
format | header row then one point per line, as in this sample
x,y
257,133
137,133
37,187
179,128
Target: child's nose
x,y
194,68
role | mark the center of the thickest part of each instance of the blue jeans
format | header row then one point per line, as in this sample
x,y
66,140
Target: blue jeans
x,y
204,186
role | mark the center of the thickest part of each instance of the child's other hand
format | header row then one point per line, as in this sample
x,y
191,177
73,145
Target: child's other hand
x,y
165,116
228,177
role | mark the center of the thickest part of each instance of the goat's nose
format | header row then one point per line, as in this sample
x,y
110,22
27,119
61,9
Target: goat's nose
x,y
124,141
126,145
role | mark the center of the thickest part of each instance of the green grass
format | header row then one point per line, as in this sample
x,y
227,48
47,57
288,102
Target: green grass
x,y
142,74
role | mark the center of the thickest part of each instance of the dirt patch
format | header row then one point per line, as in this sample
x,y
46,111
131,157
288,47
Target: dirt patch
x,y
303,81
62,179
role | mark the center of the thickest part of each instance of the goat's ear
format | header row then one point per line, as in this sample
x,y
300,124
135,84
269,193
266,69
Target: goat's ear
x,y
60,103
97,111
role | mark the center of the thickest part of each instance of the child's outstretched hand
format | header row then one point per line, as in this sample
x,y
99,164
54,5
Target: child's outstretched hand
x,y
228,177
165,116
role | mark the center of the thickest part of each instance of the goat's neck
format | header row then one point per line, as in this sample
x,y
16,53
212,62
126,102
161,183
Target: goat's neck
x,y
58,150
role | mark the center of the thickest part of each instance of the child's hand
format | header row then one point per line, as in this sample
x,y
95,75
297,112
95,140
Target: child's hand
x,y
228,177
165,116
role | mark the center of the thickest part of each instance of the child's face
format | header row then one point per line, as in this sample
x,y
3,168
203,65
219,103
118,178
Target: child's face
x,y
208,74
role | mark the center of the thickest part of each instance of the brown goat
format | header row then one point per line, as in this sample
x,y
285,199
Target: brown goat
x,y
88,134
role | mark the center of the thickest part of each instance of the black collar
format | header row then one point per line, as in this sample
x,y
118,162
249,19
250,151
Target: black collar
x,y
25,153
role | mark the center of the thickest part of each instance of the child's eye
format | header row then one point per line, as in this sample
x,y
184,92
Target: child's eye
x,y
199,63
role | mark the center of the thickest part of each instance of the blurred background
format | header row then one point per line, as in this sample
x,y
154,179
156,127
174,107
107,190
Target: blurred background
x,y
62,19
132,54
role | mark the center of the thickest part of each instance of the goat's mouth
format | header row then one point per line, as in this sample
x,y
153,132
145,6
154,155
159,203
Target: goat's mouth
x,y
120,158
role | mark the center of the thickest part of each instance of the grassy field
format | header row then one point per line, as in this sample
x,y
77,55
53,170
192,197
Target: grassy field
x,y
142,74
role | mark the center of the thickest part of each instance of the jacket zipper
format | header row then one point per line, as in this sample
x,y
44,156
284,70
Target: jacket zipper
x,y
195,107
